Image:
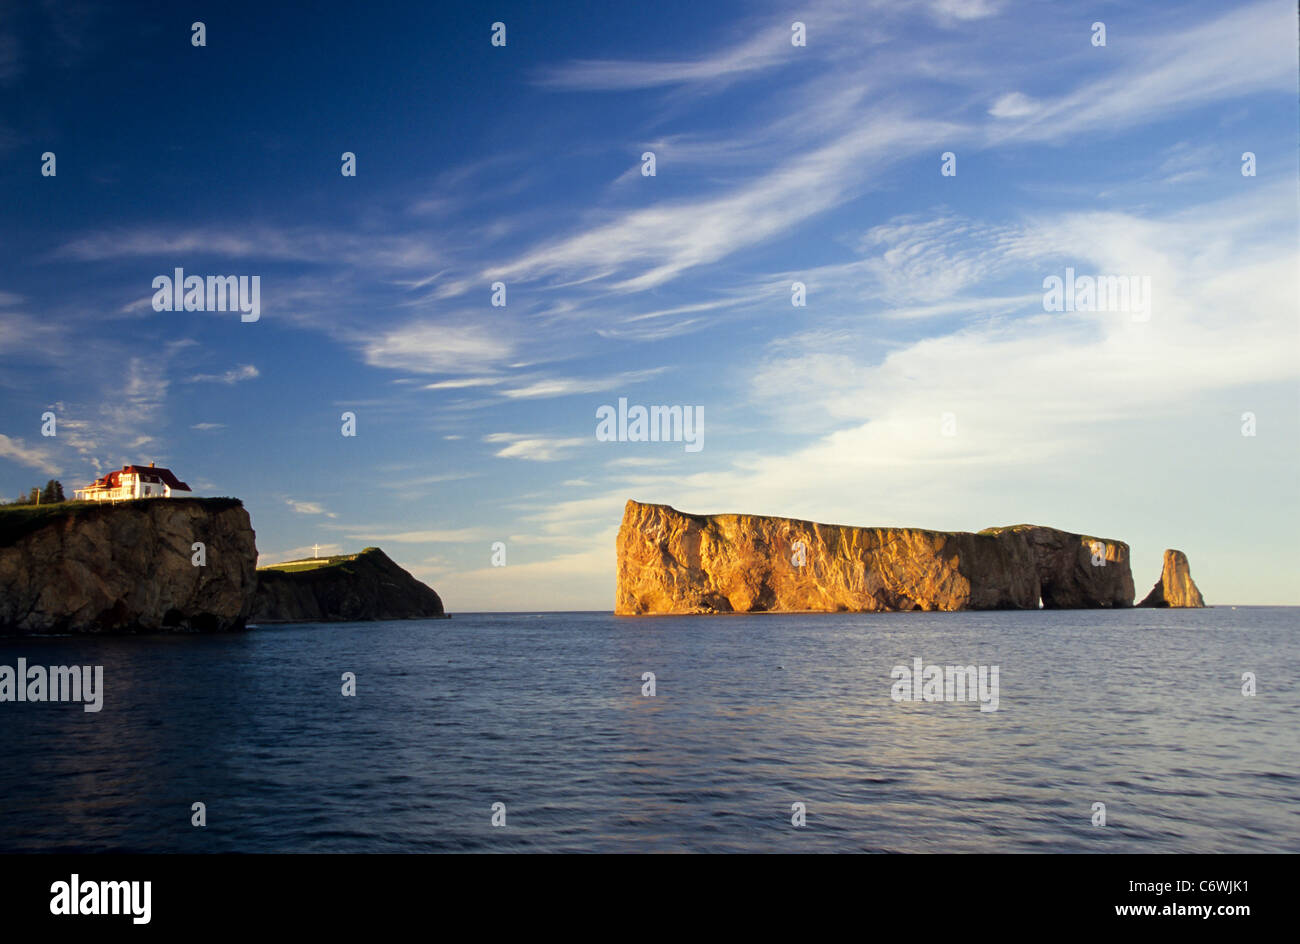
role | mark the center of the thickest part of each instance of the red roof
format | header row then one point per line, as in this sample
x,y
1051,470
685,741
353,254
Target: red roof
x,y
147,473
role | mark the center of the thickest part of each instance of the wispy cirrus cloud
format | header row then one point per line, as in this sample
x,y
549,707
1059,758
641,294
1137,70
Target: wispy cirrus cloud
x,y
766,48
1166,72
33,457
132,417
956,12
568,386
439,347
317,246
532,447
646,247
230,377
308,508
464,383
1014,105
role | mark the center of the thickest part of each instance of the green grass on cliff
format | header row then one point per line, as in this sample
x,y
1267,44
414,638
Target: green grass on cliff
x,y
316,563
994,532
17,521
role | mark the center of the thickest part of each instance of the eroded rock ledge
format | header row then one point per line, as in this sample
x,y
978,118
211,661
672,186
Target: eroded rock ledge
x,y
672,562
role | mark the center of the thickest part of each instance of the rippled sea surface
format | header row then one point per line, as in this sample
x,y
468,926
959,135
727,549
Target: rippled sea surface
x,y
1140,710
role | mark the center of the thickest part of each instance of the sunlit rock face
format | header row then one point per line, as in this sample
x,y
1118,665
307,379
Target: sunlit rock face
x,y
672,562
1175,588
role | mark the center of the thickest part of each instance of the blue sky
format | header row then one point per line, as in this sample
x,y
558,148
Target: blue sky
x,y
774,163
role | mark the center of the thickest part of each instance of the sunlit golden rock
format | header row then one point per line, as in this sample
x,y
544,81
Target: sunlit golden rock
x,y
1175,588
671,562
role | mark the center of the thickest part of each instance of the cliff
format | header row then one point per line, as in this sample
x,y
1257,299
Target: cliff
x,y
671,562
82,567
1175,588
364,586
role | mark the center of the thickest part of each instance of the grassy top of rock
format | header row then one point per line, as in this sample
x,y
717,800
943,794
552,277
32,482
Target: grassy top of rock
x,y
1012,528
17,521
317,563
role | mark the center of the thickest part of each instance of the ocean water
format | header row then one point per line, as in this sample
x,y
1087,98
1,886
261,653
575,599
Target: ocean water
x,y
1141,710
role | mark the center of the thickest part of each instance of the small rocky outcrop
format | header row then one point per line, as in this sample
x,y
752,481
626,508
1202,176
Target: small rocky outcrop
x,y
353,587
672,562
1175,588
85,567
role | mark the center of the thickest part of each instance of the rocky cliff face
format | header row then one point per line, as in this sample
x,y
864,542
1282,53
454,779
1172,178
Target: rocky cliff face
x,y
364,586
670,562
126,568
1175,588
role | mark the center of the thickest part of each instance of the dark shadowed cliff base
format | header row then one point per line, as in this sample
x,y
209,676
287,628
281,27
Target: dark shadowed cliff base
x,y
364,586
672,562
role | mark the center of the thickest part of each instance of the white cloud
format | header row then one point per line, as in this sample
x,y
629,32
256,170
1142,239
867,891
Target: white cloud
x,y
947,11
767,48
131,417
535,448
34,457
567,386
232,376
637,462
463,383
316,246
309,508
662,241
430,347
1246,50
1014,105
933,260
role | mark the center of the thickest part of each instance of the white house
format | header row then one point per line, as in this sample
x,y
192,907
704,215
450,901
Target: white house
x,y
134,481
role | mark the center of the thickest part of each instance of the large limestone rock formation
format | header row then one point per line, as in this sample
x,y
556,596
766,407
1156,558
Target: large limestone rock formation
x,y
364,586
671,562
1175,587
126,568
